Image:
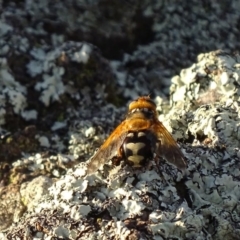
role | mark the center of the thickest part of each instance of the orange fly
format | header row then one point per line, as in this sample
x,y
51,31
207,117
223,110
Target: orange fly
x,y
138,139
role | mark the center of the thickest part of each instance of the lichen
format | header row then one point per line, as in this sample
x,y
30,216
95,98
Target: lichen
x,y
61,96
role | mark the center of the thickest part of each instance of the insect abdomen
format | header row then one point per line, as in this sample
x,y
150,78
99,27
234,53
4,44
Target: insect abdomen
x,y
137,148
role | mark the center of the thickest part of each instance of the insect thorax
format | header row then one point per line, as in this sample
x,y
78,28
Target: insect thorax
x,y
137,148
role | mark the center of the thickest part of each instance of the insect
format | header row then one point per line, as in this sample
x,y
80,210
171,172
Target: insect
x,y
139,138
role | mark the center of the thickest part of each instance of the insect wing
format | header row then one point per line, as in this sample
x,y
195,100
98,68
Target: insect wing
x,y
167,147
109,149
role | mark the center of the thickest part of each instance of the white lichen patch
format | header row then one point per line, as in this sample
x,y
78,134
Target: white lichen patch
x,y
122,231
62,232
58,125
12,92
83,54
51,87
132,207
5,28
86,136
43,140
45,164
220,124
67,195
29,114
44,64
215,74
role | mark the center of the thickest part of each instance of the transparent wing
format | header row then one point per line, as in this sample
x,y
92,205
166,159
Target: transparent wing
x,y
167,146
109,149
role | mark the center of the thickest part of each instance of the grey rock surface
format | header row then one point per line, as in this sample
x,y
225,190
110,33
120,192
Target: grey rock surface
x,y
67,72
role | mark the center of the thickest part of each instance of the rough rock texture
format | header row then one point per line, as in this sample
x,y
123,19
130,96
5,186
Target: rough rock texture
x,y
68,70
159,203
